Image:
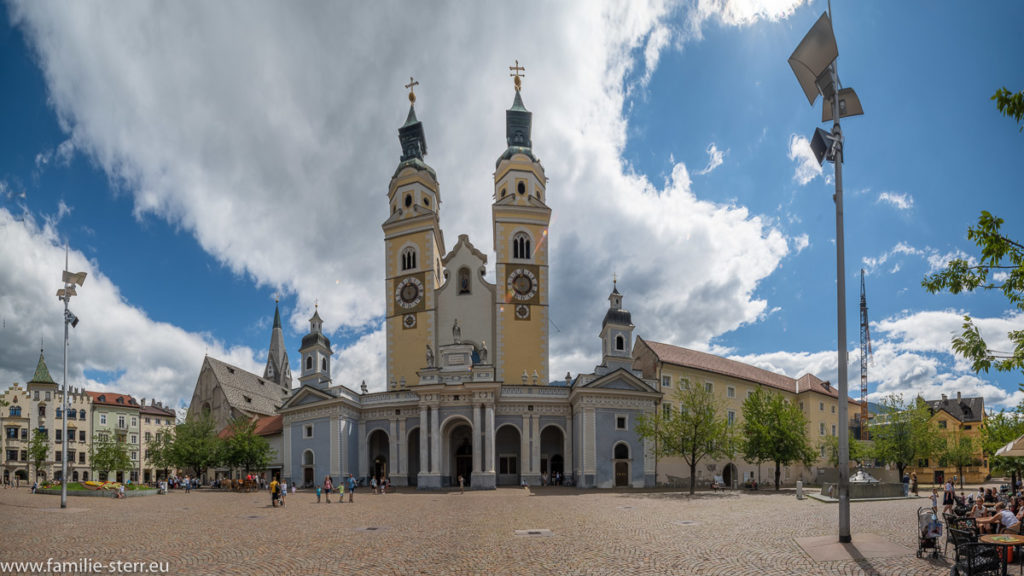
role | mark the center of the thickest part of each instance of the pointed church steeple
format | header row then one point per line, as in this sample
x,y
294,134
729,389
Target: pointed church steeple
x,y
411,134
42,373
277,369
518,122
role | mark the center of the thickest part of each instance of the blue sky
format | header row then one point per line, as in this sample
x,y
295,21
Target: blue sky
x,y
202,160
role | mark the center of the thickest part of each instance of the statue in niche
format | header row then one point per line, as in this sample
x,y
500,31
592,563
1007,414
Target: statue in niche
x,y
483,351
362,388
430,357
456,332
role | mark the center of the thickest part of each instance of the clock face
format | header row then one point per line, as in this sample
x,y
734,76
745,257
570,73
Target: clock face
x,y
409,321
522,284
409,293
522,312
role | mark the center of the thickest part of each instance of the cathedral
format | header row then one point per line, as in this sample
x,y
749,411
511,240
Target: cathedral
x,y
469,393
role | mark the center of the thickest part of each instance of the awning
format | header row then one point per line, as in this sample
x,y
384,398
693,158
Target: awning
x,y
1013,449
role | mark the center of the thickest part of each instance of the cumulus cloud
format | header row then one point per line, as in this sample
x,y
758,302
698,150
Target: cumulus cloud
x,y
267,132
897,200
807,167
871,263
115,346
715,158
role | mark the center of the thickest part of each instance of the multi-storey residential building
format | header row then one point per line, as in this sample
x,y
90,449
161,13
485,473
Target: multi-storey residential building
x,y
955,419
116,417
156,420
36,409
732,382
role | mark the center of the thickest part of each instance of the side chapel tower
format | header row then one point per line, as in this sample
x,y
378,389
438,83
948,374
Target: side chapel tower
x,y
315,353
520,219
414,247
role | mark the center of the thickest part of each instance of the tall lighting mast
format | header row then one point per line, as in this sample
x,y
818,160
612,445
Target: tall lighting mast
x,y
865,355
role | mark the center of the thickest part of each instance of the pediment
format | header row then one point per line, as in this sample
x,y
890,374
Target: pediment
x,y
306,395
620,379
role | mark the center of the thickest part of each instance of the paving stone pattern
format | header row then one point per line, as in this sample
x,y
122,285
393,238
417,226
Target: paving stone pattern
x,y
592,532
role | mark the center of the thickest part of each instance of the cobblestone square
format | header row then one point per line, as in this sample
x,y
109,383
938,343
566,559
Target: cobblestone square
x,y
573,532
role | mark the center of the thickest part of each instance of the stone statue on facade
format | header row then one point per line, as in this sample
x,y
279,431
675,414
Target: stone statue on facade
x,y
456,332
362,388
483,351
430,357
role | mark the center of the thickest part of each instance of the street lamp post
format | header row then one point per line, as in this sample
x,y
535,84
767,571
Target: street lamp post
x,y
64,294
813,62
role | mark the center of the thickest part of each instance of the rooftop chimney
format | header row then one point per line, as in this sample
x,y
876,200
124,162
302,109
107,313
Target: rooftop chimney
x,y
957,395
944,399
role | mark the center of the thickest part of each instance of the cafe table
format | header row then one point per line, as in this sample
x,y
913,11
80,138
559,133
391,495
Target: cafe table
x,y
1006,540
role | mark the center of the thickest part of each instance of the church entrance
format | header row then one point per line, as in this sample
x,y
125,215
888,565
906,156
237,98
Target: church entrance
x,y
378,448
552,443
506,449
729,475
413,465
621,465
307,469
461,450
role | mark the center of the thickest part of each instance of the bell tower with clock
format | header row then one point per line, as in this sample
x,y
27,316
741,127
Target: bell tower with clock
x,y
520,218
414,248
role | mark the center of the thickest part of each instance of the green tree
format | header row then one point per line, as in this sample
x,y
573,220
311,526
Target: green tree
x,y
1000,429
159,448
1000,267
108,455
959,450
196,446
904,433
695,431
858,450
245,449
38,449
1010,104
775,429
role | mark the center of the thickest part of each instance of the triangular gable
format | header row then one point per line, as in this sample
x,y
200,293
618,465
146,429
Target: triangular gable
x,y
620,379
306,395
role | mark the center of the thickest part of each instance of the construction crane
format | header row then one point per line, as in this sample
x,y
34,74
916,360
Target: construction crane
x,y
865,356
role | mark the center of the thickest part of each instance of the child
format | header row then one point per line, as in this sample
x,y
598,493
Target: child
x,y
317,494
935,500
341,492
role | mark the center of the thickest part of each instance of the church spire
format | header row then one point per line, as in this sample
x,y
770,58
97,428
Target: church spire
x,y
411,135
277,369
518,120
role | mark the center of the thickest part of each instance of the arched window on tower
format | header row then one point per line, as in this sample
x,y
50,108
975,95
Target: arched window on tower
x,y
521,246
408,258
323,364
309,362
620,342
464,285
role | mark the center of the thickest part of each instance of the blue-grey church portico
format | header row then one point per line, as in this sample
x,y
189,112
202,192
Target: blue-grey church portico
x,y
459,421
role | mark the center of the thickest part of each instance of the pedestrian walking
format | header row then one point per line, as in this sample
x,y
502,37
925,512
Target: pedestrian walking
x,y
351,486
188,485
317,494
373,484
462,489
341,491
328,486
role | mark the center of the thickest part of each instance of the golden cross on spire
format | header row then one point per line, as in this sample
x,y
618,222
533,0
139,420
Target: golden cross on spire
x,y
516,74
411,86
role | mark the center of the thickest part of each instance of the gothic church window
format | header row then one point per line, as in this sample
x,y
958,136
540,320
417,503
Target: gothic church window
x,y
464,281
521,245
408,258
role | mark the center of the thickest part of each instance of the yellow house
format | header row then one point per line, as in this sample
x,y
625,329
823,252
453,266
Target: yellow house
x,y
962,416
732,382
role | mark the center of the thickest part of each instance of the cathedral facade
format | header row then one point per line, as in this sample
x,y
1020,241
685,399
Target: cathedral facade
x,y
469,393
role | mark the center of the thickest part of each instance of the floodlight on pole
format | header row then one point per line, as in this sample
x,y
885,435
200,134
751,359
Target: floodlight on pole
x,y
814,64
64,295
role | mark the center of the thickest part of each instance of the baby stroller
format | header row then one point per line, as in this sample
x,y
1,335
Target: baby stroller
x,y
929,531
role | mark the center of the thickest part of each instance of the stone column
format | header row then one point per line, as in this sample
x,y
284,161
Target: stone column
x,y
393,447
567,456
402,466
361,451
424,453
435,440
286,470
477,440
535,454
590,454
335,469
344,427
525,462
489,431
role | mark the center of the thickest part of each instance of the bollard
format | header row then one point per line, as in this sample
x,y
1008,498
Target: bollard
x,y
799,490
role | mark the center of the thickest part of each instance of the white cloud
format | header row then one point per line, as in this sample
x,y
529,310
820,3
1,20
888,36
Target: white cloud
x,y
268,134
807,167
937,261
800,242
900,249
897,200
137,354
715,158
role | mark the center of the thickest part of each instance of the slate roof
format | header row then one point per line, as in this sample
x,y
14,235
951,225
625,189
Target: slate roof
x,y
963,409
687,358
246,391
158,411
